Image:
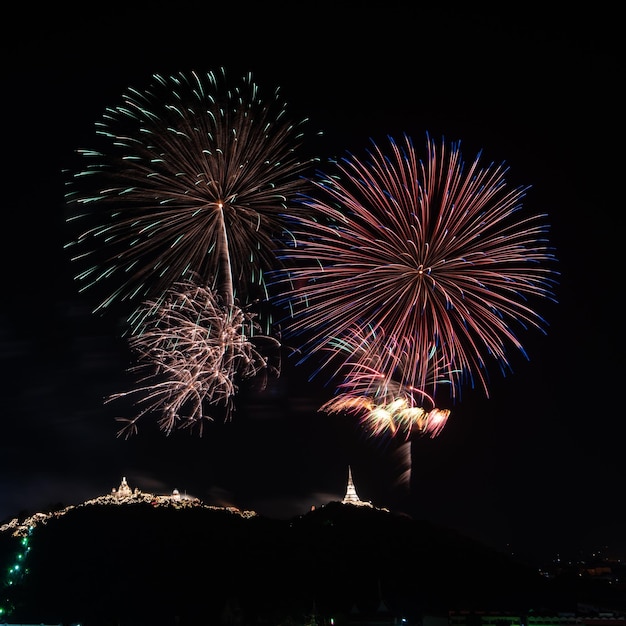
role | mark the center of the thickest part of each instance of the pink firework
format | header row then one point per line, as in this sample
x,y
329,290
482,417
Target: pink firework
x,y
427,257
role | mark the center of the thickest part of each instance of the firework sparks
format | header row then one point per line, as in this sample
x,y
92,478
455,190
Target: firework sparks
x,y
376,396
191,184
397,415
192,351
431,258
194,175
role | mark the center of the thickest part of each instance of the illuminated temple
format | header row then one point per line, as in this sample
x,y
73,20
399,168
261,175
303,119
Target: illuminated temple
x,y
351,496
124,491
124,494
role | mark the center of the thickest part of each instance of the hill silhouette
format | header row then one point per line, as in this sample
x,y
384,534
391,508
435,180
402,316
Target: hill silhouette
x,y
139,564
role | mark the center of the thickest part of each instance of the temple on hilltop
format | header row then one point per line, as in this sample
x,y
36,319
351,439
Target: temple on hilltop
x,y
123,491
351,496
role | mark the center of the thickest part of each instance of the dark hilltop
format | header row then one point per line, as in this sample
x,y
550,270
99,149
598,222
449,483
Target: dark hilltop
x,y
180,562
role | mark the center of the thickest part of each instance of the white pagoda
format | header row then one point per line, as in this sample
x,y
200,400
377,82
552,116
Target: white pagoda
x,y
351,496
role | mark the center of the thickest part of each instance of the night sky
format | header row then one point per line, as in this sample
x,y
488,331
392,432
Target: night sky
x,y
538,468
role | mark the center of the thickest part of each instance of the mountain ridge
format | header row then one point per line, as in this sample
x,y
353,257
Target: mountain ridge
x,y
183,563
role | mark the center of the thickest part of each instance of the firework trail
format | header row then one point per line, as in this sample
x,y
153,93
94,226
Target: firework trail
x,y
403,455
191,183
432,260
191,353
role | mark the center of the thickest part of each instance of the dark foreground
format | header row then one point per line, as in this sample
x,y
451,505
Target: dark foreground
x,y
140,565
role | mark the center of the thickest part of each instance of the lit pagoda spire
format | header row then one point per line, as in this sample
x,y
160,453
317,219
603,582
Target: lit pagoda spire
x,y
351,496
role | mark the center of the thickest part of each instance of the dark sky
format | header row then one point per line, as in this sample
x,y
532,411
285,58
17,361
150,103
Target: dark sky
x,y
538,466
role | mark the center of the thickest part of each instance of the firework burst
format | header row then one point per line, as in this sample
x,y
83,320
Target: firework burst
x,y
433,259
186,199
375,395
193,175
192,351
